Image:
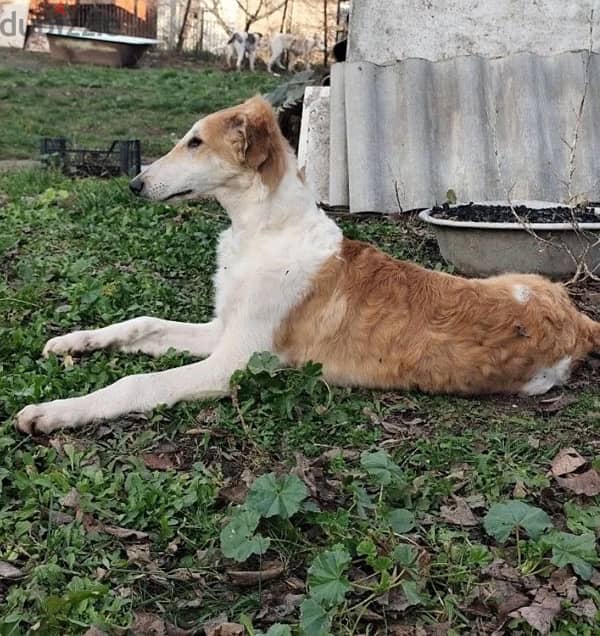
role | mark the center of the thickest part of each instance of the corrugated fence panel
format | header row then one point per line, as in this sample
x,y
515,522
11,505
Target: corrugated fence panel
x,y
487,129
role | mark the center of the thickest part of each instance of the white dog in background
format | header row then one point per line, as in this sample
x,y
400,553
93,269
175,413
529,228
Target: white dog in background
x,y
296,46
242,45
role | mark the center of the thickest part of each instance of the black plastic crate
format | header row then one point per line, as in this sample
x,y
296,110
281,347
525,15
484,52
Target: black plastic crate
x,y
122,158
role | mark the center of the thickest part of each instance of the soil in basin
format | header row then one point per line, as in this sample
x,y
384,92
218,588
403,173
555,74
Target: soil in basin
x,y
518,213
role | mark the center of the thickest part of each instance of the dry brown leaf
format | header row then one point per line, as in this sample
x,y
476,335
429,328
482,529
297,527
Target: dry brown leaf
x,y
123,533
9,571
160,461
565,584
72,499
460,514
224,629
94,631
567,461
336,451
586,609
542,612
139,554
59,518
555,404
148,624
512,603
441,629
519,491
304,471
234,494
275,608
173,630
183,574
587,483
247,578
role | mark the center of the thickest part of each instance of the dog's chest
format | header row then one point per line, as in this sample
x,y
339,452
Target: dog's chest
x,y
261,279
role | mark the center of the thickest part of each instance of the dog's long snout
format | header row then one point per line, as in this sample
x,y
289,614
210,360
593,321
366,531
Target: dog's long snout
x,y
136,185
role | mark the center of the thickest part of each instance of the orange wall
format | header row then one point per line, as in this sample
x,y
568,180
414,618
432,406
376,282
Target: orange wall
x,y
128,5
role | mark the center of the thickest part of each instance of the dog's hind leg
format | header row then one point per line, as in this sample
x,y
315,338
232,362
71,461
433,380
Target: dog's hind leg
x,y
142,393
145,335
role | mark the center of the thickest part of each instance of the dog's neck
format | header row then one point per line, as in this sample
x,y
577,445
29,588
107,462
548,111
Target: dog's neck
x,y
253,208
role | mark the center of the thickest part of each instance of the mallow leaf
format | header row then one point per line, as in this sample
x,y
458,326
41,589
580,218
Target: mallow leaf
x,y
502,519
576,550
272,496
401,520
381,467
314,619
263,362
238,540
327,576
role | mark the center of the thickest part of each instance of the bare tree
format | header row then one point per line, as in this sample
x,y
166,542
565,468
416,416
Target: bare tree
x,y
184,21
262,9
284,16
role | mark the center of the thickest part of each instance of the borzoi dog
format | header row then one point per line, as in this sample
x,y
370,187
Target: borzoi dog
x,y
288,282
296,46
243,45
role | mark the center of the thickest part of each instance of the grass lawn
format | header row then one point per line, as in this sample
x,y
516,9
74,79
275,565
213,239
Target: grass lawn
x,y
91,105
295,508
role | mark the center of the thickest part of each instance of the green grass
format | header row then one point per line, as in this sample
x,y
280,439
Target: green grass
x,y
91,106
83,254
370,551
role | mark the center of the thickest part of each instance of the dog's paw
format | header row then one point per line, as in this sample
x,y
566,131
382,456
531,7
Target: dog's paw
x,y
42,418
75,342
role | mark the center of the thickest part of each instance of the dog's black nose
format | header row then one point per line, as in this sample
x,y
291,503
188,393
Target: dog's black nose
x,y
136,185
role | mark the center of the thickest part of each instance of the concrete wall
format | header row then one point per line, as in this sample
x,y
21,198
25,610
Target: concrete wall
x,y
487,129
382,31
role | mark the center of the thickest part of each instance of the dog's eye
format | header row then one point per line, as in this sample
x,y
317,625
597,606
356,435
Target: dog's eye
x,y
194,142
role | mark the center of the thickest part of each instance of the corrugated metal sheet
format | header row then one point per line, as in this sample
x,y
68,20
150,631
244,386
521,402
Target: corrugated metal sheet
x,y
486,128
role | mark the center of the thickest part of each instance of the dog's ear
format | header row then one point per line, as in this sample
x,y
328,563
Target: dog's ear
x,y
257,141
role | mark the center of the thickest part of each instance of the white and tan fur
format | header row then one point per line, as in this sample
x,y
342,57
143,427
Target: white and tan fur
x,y
298,47
288,282
241,45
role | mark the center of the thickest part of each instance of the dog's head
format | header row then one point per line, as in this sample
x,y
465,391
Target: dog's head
x,y
231,148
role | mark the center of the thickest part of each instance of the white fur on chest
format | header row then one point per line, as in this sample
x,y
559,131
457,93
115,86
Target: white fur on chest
x,y
263,274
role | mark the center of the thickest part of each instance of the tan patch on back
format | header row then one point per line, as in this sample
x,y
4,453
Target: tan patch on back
x,y
377,322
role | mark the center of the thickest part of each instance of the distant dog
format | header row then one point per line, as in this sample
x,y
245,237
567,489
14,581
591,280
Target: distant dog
x,y
288,282
296,46
243,45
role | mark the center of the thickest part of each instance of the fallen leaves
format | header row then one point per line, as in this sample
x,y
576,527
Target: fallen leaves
x,y
567,461
148,624
542,612
94,525
460,514
567,467
223,628
587,483
248,578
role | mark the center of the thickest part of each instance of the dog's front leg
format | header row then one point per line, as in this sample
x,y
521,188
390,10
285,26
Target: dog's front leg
x,y
153,336
139,393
